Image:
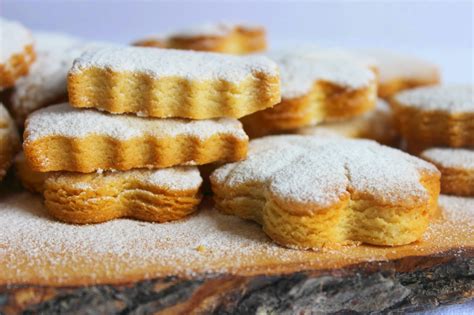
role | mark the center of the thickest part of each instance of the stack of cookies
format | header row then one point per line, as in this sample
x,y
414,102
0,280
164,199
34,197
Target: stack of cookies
x,y
438,124
138,123
140,120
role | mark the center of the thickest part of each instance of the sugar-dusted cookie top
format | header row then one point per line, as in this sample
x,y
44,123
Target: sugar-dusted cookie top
x,y
450,158
15,37
174,178
299,71
211,29
67,121
161,63
314,173
448,98
394,66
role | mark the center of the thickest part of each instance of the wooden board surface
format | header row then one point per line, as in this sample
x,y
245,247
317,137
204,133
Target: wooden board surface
x,y
216,263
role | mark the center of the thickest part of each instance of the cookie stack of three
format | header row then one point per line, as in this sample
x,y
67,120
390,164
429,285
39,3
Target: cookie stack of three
x,y
139,122
437,123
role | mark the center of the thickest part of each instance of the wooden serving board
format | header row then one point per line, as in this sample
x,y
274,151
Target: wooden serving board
x,y
212,263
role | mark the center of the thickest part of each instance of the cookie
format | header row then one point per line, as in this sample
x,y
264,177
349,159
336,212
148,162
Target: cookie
x,y
436,116
219,37
9,141
312,192
63,138
314,89
173,83
399,72
16,53
457,169
150,195
378,125
31,180
46,82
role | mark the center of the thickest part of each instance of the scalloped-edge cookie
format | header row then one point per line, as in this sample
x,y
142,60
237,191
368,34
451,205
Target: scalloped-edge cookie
x,y
456,167
158,195
436,116
16,53
315,88
313,192
220,37
173,83
9,141
63,138
378,125
398,72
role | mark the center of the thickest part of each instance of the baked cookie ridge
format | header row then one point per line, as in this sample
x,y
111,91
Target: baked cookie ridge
x,y
173,83
63,138
151,195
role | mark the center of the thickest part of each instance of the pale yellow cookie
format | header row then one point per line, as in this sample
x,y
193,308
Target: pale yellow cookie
x,y
219,37
63,138
457,169
16,52
398,72
173,83
436,116
151,195
378,125
312,192
9,141
315,88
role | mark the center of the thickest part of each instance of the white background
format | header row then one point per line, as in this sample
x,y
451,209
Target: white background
x,y
440,31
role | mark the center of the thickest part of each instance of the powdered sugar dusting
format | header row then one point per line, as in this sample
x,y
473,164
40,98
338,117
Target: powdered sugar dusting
x,y
299,72
67,121
219,29
26,231
173,178
452,158
14,38
46,81
318,170
458,209
450,98
393,66
161,63
37,249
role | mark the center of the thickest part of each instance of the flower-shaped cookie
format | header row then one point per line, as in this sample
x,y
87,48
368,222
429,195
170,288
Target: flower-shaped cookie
x,y
311,192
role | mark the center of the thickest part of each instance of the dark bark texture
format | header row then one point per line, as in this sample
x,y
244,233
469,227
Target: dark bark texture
x,y
403,285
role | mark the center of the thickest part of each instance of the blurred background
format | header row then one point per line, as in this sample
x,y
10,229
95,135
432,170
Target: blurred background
x,y
439,31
